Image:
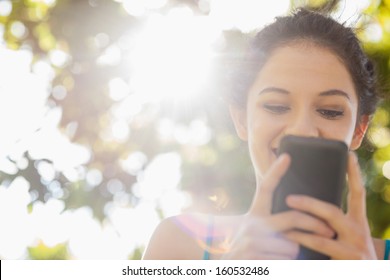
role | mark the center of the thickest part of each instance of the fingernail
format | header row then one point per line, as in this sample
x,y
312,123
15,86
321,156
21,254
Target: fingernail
x,y
283,157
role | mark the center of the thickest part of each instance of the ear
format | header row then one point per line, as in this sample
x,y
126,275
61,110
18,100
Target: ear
x,y
360,131
238,116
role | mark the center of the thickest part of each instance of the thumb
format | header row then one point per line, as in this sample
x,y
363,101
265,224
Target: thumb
x,y
262,202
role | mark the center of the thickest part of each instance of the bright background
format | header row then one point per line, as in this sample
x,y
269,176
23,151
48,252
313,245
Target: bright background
x,y
112,118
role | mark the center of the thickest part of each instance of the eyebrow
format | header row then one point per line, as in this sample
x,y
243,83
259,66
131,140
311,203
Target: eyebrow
x,y
330,92
334,92
274,89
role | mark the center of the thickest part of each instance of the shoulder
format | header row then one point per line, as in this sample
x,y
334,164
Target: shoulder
x,y
177,238
184,236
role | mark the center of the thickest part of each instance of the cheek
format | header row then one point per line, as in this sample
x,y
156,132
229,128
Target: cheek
x,y
342,130
263,127
263,131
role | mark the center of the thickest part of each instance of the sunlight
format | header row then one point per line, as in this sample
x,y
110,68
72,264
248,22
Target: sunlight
x,y
140,231
386,169
18,29
350,11
158,184
197,133
49,143
129,107
85,234
246,15
30,113
59,58
5,8
173,202
8,166
111,56
94,177
138,8
160,176
45,170
173,54
373,32
379,136
48,222
120,130
14,199
172,58
114,239
118,89
134,162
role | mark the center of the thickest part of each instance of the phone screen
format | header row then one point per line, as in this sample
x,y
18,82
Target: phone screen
x,y
317,169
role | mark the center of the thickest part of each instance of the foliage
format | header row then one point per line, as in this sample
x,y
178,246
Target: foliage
x,y
43,252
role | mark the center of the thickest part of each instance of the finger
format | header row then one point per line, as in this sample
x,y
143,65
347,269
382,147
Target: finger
x,y
278,246
357,192
254,240
289,220
268,245
262,202
270,256
329,213
253,255
329,247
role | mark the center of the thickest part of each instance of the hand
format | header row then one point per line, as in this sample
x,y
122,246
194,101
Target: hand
x,y
353,234
261,235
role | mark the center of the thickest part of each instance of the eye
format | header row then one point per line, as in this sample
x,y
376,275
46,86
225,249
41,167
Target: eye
x,y
276,109
331,114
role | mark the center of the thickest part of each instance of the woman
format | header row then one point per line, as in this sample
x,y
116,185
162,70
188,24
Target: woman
x,y
305,75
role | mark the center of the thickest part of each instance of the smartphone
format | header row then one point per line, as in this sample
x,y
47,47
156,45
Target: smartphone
x,y
318,169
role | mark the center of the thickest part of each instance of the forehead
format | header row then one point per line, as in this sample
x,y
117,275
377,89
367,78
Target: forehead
x,y
305,68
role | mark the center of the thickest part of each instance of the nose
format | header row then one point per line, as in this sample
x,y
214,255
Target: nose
x,y
302,125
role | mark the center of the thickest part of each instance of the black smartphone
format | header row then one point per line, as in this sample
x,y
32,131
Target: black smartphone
x,y
318,169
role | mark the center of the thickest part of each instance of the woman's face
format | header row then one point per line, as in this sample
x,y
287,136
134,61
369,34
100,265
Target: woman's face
x,y
301,90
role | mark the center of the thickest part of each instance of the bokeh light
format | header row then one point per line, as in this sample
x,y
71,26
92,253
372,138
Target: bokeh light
x,y
5,8
172,57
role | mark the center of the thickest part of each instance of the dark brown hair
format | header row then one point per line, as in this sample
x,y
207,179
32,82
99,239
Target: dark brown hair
x,y
310,27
